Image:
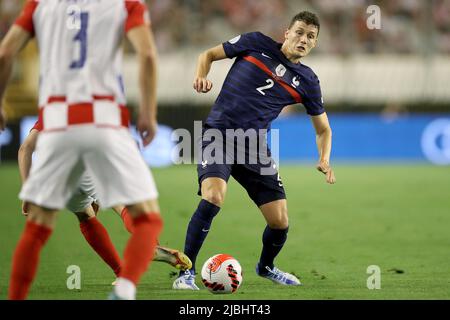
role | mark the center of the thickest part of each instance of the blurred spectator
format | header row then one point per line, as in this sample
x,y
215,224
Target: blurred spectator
x,y
407,26
393,110
441,21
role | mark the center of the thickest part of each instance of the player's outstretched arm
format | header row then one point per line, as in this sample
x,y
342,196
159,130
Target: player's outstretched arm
x,y
323,140
12,43
24,160
205,60
143,42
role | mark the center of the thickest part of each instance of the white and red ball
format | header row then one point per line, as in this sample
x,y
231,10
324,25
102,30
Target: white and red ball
x,y
222,274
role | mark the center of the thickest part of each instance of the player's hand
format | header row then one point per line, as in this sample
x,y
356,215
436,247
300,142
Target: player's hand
x,y
25,208
2,120
202,85
324,167
147,128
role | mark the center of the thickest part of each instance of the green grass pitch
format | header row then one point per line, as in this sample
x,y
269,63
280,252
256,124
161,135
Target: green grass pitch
x,y
393,216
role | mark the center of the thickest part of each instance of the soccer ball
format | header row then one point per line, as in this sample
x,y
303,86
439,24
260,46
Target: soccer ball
x,y
222,274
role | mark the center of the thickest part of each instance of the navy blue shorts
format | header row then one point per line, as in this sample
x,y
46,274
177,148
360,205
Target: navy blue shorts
x,y
262,185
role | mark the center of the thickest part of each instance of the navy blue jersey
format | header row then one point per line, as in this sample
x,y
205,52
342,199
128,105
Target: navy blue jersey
x,y
261,82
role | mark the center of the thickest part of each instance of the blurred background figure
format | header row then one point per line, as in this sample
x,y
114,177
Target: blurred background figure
x,y
376,74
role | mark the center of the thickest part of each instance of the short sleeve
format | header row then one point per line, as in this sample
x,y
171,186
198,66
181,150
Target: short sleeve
x,y
242,44
25,20
137,14
313,100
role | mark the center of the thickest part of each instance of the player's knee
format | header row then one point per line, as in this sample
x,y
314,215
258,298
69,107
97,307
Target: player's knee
x,y
213,190
279,224
146,207
280,220
215,197
136,210
42,216
83,216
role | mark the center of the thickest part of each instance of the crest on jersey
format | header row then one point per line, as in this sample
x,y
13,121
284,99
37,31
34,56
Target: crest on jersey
x,y
295,83
235,39
280,70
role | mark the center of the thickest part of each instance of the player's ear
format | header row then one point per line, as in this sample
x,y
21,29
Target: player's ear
x,y
314,43
286,34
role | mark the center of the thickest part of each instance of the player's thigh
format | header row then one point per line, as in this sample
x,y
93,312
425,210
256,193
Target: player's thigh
x,y
212,180
118,170
267,192
55,172
261,188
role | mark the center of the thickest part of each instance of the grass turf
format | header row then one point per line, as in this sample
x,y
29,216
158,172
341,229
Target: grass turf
x,y
393,216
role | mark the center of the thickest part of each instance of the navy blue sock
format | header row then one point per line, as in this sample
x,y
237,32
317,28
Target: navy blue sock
x,y
273,241
198,229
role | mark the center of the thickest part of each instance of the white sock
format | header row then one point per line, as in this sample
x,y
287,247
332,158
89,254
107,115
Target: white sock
x,y
125,289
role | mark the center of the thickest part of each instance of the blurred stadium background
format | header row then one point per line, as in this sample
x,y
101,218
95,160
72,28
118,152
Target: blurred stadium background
x,y
393,80
387,93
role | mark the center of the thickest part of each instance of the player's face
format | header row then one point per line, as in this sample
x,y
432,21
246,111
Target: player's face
x,y
300,39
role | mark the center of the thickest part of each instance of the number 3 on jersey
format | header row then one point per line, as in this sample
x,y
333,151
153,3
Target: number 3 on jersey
x,y
81,36
270,85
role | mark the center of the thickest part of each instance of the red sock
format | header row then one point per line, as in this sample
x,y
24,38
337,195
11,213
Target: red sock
x,y
127,220
141,246
26,259
98,238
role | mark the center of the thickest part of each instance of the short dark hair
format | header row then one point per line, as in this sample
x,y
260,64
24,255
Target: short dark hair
x,y
308,18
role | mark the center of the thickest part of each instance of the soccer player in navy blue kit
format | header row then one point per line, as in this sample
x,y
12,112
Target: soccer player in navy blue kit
x,y
265,77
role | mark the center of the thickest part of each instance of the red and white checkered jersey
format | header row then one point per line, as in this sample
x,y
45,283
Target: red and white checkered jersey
x,y
81,58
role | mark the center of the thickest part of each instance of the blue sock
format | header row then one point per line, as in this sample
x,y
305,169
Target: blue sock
x,y
273,241
198,229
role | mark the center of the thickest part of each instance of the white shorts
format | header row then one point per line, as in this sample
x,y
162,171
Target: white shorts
x,y
84,196
111,156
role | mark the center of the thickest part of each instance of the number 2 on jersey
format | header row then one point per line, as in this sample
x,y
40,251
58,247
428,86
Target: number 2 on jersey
x,y
270,85
81,36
